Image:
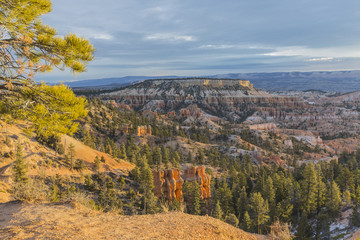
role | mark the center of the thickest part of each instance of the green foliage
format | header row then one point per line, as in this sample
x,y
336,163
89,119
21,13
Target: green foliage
x,y
308,186
71,151
259,211
333,201
96,166
58,112
28,46
19,167
109,200
55,193
246,222
232,220
121,182
192,196
79,165
218,213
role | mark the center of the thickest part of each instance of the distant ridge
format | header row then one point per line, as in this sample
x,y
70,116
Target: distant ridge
x,y
330,81
111,82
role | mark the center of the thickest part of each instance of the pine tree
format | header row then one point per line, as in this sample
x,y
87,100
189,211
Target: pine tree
x,y
122,154
232,220
269,194
355,217
246,222
19,168
147,186
28,46
345,180
96,164
157,158
200,157
196,198
333,200
190,158
320,191
357,196
71,151
304,230
308,188
242,203
347,198
224,195
260,210
284,210
217,211
165,156
192,197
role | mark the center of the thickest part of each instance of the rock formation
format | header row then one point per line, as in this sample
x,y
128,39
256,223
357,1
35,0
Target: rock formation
x,y
168,183
270,127
143,130
233,99
192,173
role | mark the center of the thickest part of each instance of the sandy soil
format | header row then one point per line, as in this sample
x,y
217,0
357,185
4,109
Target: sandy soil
x,y
50,221
88,155
36,155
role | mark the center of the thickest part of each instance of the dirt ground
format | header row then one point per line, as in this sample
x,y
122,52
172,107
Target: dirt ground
x,y
55,221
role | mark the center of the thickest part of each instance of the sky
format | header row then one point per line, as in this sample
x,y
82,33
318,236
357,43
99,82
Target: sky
x,y
205,37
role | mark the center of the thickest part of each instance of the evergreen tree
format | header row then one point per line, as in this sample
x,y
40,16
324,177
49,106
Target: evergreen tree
x,y
355,217
242,204
147,186
357,196
96,164
200,157
165,156
192,197
333,200
345,180
246,222
217,211
284,210
232,220
347,198
308,188
224,195
157,158
320,191
269,195
19,167
304,230
260,210
122,154
190,158
71,151
27,47
196,198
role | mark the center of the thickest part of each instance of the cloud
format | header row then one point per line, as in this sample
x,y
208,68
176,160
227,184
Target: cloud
x,y
101,36
171,37
321,59
144,37
287,51
314,53
221,46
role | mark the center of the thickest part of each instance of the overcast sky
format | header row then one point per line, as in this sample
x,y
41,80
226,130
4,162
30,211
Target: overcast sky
x,y
202,37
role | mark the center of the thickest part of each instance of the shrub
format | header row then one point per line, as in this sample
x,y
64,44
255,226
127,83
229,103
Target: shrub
x,y
280,231
31,191
232,219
